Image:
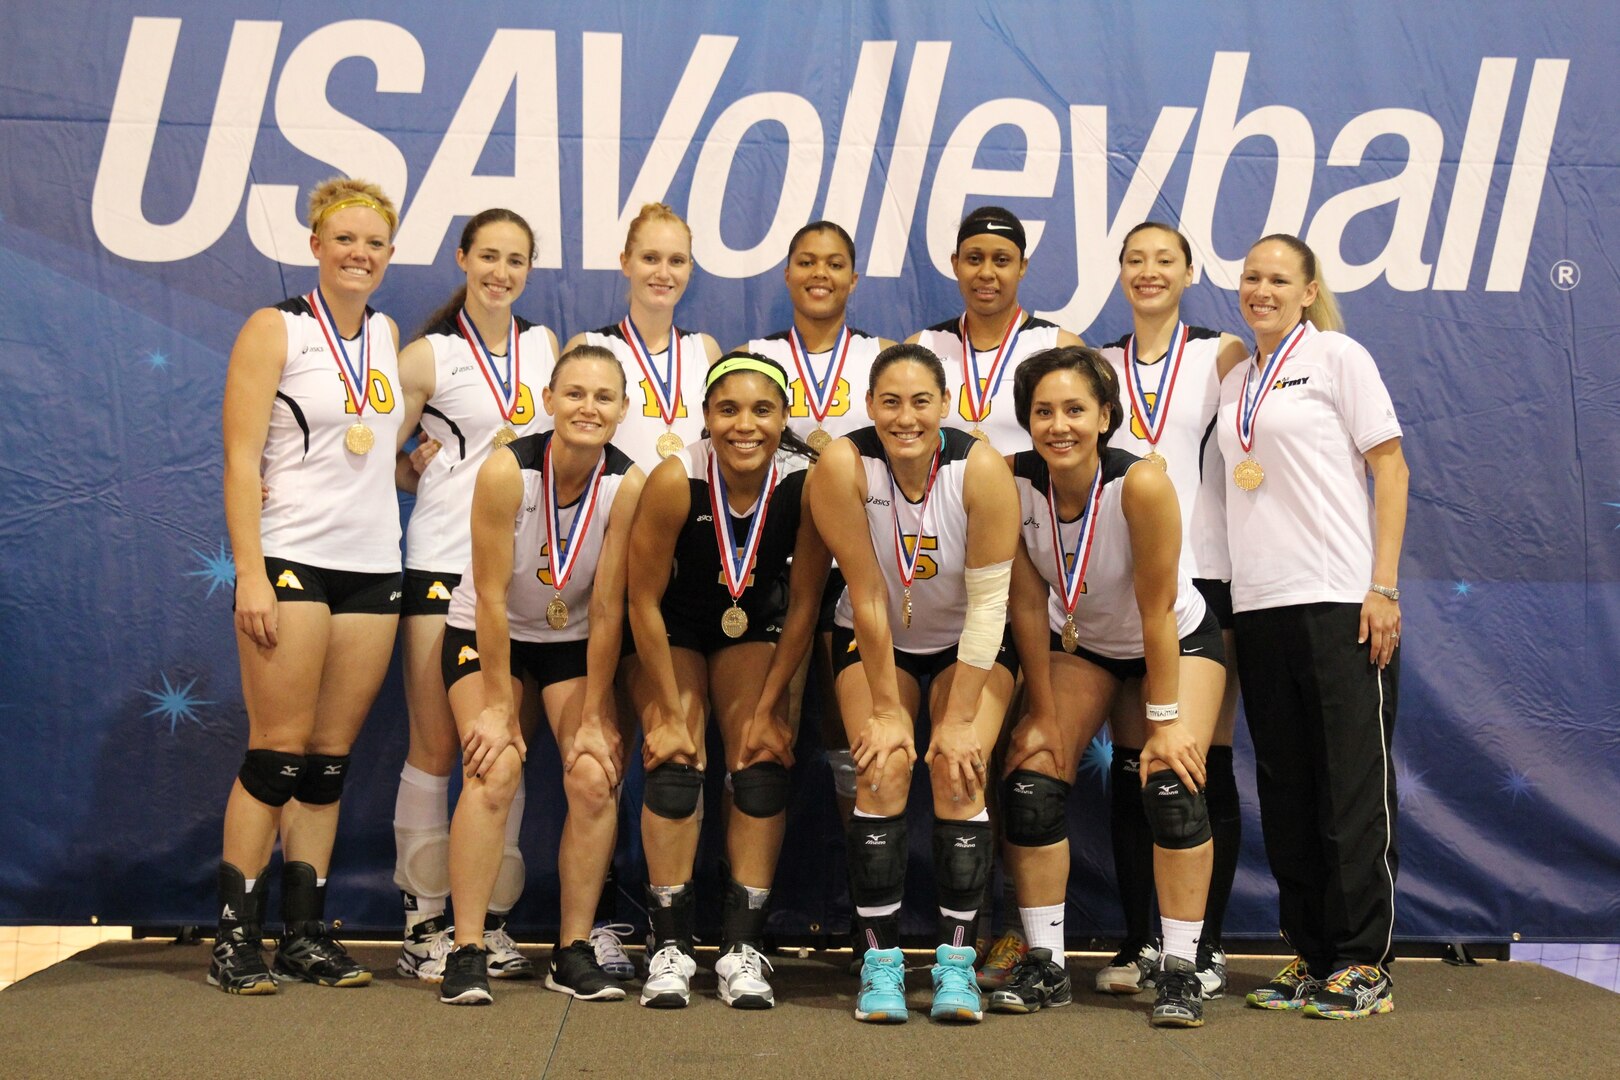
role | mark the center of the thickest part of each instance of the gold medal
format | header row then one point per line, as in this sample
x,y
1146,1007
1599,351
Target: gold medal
x,y
359,439
1153,457
734,622
818,440
557,613
1071,635
669,443
905,609
504,435
1248,474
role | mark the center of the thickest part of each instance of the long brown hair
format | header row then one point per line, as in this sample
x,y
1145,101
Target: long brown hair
x,y
469,236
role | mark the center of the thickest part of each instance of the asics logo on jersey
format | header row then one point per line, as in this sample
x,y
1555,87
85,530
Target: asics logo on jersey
x,y
1024,789
966,842
873,500
1284,383
876,840
529,509
395,595
462,368
705,517
1169,789
1031,521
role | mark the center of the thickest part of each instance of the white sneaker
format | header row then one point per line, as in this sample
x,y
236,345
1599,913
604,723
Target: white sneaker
x,y
741,971
423,953
669,979
608,942
1131,970
505,962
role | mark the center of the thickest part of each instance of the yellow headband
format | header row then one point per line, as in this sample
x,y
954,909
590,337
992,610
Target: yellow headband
x,y
360,199
731,364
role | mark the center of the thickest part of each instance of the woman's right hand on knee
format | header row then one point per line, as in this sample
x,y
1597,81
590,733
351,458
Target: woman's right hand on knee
x,y
665,742
885,749
489,735
1037,746
256,609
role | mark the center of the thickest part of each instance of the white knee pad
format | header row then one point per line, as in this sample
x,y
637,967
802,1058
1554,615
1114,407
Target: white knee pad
x,y
509,881
422,861
842,763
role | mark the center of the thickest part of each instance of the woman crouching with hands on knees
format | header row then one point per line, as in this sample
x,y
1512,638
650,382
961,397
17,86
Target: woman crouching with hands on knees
x,y
721,625
925,601
541,611
1099,598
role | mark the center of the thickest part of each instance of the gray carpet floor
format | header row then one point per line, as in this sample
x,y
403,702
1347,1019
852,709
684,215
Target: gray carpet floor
x,y
143,1009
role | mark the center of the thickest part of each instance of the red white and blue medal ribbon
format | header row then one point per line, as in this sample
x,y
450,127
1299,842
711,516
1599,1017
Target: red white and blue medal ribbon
x,y
667,389
907,562
564,557
1153,416
1249,404
979,399
356,381
737,563
505,389
1072,571
819,393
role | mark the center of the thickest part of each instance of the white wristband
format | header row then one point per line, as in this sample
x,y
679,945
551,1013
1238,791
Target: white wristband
x,y
1161,714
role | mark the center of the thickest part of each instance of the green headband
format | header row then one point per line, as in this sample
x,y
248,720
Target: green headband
x,y
731,364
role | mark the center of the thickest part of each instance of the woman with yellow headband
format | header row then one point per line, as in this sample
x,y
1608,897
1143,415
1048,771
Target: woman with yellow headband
x,y
720,627
312,404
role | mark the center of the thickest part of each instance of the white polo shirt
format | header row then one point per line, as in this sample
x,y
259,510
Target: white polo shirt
x,y
1305,535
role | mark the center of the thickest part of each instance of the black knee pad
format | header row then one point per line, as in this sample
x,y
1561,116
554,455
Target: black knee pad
x,y
1034,805
962,857
322,784
761,790
877,860
1180,819
672,790
271,776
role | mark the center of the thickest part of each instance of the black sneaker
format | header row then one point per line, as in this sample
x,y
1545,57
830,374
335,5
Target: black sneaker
x,y
466,977
1035,983
1181,995
316,956
575,972
1352,993
237,965
1212,970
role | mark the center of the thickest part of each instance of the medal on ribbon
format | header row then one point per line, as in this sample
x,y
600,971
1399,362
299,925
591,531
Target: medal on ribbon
x,y
907,560
1153,416
736,563
505,389
819,393
978,400
565,556
666,389
1071,566
1247,474
359,438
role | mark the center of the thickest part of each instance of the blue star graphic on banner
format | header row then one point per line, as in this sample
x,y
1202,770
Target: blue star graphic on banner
x,y
1615,506
156,359
1409,785
219,569
175,703
1515,784
1098,757
1461,588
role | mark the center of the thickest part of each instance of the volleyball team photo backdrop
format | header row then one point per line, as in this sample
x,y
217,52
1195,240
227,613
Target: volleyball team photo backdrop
x,y
1454,170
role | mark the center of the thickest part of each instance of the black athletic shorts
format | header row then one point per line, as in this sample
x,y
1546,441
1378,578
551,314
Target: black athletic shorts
x,y
702,633
346,592
919,666
1217,596
546,663
1205,641
428,593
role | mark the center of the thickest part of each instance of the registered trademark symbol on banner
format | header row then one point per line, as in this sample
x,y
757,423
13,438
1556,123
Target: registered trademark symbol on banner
x,y
1565,274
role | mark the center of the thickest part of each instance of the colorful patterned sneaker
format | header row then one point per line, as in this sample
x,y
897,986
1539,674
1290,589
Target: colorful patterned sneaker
x,y
505,962
1352,993
1181,996
575,972
425,947
1035,984
607,939
237,965
956,990
466,977
1004,956
1212,971
742,972
669,978
1288,989
317,957
1131,970
882,998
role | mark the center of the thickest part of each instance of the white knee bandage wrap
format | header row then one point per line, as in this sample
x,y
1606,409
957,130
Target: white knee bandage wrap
x,y
509,881
422,861
986,620
843,771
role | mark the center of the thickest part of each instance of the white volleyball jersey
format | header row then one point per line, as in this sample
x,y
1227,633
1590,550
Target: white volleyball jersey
x,y
1186,441
643,424
1305,535
938,529
1106,615
945,341
532,585
463,416
845,400
330,507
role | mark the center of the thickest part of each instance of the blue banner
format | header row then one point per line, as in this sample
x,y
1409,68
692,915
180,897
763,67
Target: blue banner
x,y
1452,165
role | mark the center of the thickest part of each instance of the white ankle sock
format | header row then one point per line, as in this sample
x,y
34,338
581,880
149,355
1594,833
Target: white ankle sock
x,y
1181,938
1043,929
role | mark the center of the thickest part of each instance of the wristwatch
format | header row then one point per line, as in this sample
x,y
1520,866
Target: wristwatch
x,y
1385,591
